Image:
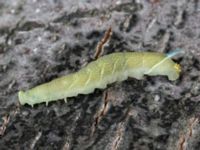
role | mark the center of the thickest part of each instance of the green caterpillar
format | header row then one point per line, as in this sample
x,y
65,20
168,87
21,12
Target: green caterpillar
x,y
100,73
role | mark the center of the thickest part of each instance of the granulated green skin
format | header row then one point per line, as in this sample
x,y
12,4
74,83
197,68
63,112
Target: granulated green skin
x,y
100,73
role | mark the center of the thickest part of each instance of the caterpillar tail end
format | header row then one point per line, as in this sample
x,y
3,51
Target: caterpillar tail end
x,y
22,98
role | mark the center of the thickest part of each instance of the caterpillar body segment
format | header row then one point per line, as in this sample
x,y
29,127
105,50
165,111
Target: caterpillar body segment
x,y
100,73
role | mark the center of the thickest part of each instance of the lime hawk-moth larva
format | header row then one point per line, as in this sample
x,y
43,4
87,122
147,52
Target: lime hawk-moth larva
x,y
98,74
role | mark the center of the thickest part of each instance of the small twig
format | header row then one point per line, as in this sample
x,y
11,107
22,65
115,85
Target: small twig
x,y
66,146
35,140
192,123
151,24
100,45
6,120
103,110
182,143
117,139
13,82
119,135
164,42
179,18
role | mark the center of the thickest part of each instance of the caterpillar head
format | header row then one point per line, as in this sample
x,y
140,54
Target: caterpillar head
x,y
166,67
175,72
171,69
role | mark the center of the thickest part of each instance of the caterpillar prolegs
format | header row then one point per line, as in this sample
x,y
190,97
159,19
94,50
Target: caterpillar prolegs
x,y
98,74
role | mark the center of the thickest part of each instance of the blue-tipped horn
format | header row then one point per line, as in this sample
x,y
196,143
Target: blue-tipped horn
x,y
174,52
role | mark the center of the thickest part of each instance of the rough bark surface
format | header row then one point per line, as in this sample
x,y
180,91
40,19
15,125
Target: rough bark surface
x,y
42,40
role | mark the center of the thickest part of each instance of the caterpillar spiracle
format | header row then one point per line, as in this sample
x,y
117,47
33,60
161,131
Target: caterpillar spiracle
x,y
101,72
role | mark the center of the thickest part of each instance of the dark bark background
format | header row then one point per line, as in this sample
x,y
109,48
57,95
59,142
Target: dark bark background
x,y
44,39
